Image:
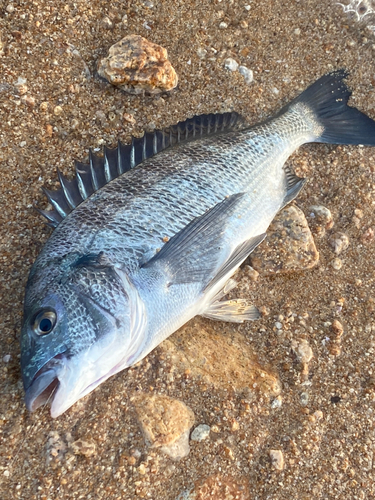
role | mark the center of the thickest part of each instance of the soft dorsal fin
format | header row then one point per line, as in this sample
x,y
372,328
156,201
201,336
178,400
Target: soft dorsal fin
x,y
115,162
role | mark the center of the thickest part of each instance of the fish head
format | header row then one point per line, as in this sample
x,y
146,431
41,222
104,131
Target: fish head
x,y
82,323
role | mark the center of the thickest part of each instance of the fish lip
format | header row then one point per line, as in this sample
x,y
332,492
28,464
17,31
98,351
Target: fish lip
x,y
45,383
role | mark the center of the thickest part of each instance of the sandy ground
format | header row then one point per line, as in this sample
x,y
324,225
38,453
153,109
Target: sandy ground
x,y
323,419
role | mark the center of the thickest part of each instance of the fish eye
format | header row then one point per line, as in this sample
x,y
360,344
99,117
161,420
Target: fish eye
x,y
44,322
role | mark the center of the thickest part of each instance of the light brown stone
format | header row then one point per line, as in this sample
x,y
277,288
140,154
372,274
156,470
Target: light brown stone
x,y
289,245
136,65
225,361
165,423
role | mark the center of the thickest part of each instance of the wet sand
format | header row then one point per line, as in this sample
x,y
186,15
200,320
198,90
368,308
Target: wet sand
x,y
53,108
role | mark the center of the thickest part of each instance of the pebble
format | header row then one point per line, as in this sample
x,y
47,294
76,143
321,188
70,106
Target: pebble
x,y
165,423
289,245
337,329
7,358
277,402
86,448
223,25
303,351
277,459
231,64
339,242
336,264
251,273
107,23
56,447
304,398
247,74
136,65
43,106
58,110
28,100
201,52
200,433
320,220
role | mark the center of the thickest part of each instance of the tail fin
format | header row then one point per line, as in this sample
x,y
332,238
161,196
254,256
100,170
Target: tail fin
x,y
327,98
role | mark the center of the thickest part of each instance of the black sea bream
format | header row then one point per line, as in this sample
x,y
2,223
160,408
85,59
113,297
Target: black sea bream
x,y
149,236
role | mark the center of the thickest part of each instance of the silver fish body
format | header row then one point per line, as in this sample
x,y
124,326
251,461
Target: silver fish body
x,y
158,245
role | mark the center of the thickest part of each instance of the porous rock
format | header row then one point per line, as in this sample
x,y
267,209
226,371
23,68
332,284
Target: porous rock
x,y
289,245
226,361
136,65
165,423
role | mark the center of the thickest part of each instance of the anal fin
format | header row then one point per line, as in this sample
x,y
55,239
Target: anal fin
x,y
232,310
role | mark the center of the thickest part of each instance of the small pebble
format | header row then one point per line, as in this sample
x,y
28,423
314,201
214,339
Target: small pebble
x,y
57,110
107,23
303,351
200,433
10,8
336,264
277,402
339,242
337,329
86,448
7,358
304,398
231,64
43,106
251,273
201,52
277,459
247,74
223,25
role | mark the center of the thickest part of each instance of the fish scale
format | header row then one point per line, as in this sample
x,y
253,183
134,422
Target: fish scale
x,y
149,236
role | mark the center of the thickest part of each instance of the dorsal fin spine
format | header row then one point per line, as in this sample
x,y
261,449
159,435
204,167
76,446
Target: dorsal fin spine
x,y
64,185
107,170
63,213
132,154
144,155
92,171
81,185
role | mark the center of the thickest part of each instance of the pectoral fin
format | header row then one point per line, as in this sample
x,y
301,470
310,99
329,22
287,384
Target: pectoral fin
x,y
192,254
234,310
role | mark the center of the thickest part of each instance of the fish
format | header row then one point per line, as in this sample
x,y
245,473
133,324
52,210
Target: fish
x,y
149,236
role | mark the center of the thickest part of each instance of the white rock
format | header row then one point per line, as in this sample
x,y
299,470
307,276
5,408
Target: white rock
x,y
200,433
277,459
247,74
231,64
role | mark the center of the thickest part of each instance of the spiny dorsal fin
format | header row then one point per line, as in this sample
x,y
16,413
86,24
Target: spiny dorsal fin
x,y
115,162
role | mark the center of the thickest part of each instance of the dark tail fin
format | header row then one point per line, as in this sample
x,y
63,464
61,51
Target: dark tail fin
x,y
328,98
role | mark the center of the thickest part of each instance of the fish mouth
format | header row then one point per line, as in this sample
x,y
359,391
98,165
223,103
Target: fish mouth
x,y
45,384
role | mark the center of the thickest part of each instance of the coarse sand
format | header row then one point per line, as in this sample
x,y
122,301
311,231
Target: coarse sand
x,y
314,439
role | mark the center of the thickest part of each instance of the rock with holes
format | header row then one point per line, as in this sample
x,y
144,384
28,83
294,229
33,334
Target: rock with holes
x,y
136,65
165,423
289,245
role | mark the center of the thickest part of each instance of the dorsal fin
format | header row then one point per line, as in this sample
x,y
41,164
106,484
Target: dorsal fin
x,y
115,162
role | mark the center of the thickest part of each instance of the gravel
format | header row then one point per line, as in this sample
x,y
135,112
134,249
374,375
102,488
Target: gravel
x,y
324,427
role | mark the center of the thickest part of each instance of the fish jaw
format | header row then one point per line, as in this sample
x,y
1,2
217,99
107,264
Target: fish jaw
x,y
84,372
44,384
